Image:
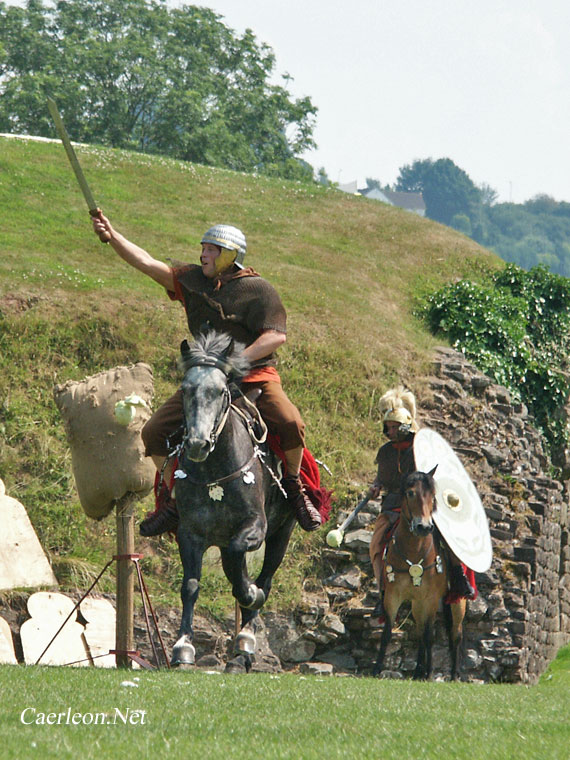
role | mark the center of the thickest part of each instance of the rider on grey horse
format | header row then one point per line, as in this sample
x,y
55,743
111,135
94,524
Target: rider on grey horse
x,y
221,294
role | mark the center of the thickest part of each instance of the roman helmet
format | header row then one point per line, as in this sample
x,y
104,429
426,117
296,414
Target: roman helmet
x,y
232,242
399,405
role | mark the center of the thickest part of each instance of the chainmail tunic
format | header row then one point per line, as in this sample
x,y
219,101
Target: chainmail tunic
x,y
393,467
244,305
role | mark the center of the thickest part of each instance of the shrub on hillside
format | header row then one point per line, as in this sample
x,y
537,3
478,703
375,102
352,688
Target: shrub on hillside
x,y
514,326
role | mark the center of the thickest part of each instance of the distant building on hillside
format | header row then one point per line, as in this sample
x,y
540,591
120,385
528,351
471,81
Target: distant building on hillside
x,y
349,187
413,202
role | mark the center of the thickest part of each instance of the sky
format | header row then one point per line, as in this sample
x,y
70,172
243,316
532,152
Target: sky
x,y
486,84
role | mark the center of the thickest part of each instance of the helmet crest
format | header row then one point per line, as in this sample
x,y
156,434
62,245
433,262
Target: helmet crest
x,y
399,405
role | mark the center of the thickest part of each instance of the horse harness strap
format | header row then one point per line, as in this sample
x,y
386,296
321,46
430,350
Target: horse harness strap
x,y
415,569
214,487
227,478
255,415
256,440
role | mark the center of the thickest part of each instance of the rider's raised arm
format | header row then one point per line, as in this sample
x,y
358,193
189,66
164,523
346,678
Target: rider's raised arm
x,y
134,255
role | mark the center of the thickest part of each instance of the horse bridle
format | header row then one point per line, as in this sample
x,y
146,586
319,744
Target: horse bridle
x,y
407,517
415,569
224,367
223,418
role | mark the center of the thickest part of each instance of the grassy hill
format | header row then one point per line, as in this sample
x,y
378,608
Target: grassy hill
x,y
349,271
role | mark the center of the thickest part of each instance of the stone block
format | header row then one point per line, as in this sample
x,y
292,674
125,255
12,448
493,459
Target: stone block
x,y
525,554
23,563
316,668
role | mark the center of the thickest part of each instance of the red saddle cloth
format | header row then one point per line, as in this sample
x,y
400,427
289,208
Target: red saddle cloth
x,y
451,598
310,477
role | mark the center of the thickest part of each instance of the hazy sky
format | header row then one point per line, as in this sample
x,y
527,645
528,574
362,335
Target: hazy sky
x,y
484,83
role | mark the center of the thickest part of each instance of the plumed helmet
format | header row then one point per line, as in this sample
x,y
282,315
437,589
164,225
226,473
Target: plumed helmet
x,y
399,405
228,237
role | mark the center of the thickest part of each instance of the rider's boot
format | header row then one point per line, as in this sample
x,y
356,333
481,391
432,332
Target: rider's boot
x,y
308,516
165,516
458,583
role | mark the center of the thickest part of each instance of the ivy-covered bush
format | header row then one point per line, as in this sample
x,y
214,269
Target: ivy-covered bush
x,y
515,327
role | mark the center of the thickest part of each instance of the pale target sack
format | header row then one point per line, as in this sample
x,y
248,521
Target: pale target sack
x,y
107,458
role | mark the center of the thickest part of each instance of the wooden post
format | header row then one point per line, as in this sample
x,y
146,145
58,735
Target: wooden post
x,y
124,636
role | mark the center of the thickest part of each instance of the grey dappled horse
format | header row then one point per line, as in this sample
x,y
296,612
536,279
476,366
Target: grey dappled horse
x,y
227,491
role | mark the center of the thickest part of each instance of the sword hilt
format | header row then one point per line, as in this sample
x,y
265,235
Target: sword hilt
x,y
96,213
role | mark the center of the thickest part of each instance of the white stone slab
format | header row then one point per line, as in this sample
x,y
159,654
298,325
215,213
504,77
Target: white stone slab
x,y
7,653
100,630
23,563
49,610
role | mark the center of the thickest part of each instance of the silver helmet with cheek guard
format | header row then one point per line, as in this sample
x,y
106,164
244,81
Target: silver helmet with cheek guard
x,y
228,237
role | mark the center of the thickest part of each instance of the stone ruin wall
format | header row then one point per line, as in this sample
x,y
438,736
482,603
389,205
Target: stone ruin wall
x,y
522,615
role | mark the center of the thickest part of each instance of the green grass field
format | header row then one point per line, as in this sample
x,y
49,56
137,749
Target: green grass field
x,y
206,715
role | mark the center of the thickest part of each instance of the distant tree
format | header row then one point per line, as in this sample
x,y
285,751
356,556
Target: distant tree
x,y
323,177
137,74
373,184
534,233
414,178
541,204
488,195
447,190
462,223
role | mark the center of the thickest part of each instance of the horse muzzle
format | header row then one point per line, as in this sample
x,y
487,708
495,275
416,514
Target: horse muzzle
x,y
197,449
421,527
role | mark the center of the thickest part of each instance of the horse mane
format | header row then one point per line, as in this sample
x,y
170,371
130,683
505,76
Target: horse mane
x,y
213,346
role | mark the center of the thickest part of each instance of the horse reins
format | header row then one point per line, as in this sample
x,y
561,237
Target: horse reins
x,y
256,440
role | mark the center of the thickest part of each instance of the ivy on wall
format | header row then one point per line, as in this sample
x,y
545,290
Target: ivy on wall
x,y
515,327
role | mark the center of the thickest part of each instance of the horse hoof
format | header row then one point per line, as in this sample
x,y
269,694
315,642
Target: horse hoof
x,y
183,653
258,599
245,643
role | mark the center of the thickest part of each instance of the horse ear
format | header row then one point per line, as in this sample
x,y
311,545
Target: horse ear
x,y
431,472
184,348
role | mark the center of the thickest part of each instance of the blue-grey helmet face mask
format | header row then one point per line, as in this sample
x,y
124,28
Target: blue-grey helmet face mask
x,y
227,237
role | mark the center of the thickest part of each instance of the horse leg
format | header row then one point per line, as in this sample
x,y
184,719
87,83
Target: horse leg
x,y
384,641
275,548
250,536
453,617
244,590
191,553
424,661
249,598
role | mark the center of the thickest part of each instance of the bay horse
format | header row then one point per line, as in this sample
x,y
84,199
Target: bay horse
x,y
227,492
415,571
